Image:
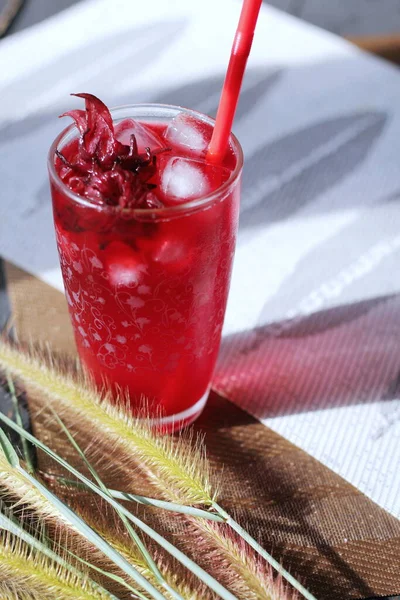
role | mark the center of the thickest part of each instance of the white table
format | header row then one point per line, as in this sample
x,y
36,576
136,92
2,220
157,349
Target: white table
x,y
312,333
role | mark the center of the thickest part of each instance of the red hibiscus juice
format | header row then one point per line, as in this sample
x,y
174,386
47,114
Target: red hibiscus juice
x,y
146,234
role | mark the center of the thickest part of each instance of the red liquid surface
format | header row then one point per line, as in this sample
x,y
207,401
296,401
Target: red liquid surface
x,y
147,297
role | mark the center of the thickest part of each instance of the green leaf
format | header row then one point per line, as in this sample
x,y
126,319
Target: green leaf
x,y
8,449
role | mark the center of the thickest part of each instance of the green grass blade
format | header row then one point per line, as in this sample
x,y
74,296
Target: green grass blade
x,y
180,556
8,449
25,448
163,504
172,506
79,450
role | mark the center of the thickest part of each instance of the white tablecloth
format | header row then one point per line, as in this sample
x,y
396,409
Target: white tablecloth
x,y
312,334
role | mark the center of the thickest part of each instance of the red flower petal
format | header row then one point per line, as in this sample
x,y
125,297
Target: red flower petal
x,y
98,139
80,118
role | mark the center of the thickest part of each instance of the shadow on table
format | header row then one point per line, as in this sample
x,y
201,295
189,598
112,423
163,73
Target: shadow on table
x,y
336,357
285,497
288,171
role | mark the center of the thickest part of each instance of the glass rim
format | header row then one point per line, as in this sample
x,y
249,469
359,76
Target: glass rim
x,y
164,211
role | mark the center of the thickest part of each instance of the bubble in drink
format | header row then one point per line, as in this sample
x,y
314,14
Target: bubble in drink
x,y
186,132
145,138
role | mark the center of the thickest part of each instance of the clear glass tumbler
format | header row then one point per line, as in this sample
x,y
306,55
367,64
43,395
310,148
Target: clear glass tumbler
x,y
147,288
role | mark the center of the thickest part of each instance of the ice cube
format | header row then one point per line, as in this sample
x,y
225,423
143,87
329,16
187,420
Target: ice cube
x,y
183,178
169,251
123,265
172,251
186,132
187,178
145,137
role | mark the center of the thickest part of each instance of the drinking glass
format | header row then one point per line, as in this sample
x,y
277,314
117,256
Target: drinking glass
x,y
147,288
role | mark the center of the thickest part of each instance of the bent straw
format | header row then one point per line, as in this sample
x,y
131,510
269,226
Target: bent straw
x,y
233,80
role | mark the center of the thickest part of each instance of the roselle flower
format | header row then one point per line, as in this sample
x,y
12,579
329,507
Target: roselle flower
x,y
101,168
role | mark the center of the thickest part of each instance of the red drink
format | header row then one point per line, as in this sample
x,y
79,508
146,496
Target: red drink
x,y
147,279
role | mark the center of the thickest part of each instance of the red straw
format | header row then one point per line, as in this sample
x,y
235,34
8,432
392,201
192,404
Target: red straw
x,y
233,80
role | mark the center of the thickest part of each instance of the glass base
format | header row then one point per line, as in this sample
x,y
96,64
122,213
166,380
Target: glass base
x,y
183,419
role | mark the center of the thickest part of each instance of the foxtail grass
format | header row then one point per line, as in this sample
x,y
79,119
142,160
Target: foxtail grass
x,y
16,479
188,589
183,475
178,471
24,570
24,495
148,567
245,573
85,530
